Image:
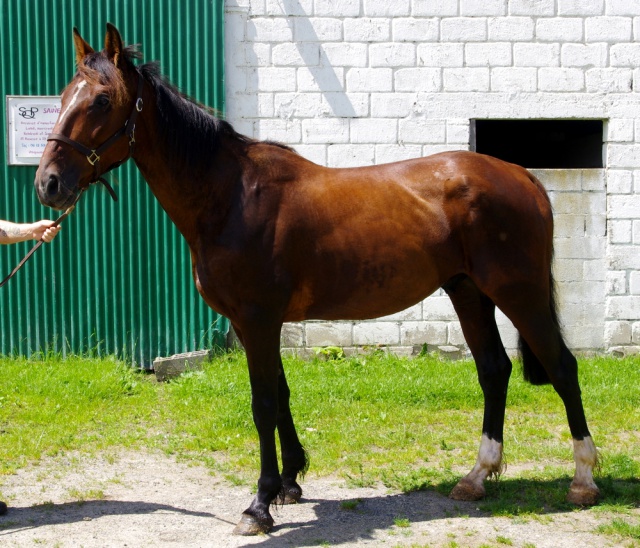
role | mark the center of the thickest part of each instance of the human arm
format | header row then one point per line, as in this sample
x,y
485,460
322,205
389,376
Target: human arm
x,y
11,233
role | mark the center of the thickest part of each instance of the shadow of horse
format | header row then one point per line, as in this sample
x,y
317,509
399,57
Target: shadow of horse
x,y
340,520
41,515
334,524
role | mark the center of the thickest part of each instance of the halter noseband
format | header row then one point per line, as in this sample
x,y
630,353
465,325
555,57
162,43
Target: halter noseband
x,y
93,154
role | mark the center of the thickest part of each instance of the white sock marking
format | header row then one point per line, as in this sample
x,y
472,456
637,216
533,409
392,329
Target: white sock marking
x,y
489,460
586,457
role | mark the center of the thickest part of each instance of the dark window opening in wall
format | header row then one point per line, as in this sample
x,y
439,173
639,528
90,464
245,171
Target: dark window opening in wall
x,y
542,144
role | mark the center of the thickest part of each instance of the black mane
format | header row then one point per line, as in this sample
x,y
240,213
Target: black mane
x,y
191,131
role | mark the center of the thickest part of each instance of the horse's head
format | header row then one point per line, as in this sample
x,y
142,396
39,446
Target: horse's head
x,y
94,132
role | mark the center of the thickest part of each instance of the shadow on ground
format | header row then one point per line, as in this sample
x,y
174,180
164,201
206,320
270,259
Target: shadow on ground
x,y
336,521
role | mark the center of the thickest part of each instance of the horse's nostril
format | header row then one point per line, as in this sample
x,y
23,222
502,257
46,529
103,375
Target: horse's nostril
x,y
52,186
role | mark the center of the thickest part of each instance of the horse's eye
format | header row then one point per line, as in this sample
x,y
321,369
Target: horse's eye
x,y
101,101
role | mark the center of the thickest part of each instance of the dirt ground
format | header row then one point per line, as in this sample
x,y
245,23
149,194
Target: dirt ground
x,y
150,500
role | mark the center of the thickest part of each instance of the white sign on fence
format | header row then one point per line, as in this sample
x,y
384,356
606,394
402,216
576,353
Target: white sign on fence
x,y
30,119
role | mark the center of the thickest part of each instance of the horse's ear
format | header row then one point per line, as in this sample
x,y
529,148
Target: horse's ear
x,y
113,44
82,48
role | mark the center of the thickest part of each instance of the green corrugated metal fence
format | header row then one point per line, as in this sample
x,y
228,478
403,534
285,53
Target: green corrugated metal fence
x,y
117,280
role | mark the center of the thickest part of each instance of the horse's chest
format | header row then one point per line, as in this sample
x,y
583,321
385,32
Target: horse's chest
x,y
211,285
228,281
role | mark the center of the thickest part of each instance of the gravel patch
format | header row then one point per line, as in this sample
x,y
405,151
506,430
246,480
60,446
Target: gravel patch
x,y
141,499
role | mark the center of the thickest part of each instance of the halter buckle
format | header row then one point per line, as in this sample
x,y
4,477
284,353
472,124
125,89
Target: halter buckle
x,y
93,158
139,104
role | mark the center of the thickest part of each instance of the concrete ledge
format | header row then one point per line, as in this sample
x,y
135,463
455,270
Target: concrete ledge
x,y
446,352
624,351
174,366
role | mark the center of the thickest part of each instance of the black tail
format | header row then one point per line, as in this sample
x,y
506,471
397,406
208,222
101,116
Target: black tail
x,y
533,371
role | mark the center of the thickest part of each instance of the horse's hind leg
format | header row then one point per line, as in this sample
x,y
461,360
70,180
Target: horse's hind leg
x,y
477,319
535,320
294,457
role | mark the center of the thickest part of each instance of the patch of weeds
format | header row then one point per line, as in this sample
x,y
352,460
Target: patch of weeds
x,y
619,491
618,480
528,545
543,519
421,479
455,513
509,498
611,508
46,505
41,475
361,480
117,480
504,540
350,504
622,528
620,466
329,352
128,379
522,519
401,522
407,482
89,494
234,480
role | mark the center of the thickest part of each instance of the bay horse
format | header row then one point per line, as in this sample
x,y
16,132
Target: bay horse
x,y
275,238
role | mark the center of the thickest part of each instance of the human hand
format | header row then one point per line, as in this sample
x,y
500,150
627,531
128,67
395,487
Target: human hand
x,y
44,230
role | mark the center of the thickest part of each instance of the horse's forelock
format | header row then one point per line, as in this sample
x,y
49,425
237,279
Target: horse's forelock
x,y
97,69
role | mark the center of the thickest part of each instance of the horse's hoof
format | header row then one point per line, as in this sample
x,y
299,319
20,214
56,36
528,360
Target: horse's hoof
x,y
250,525
583,495
3,508
467,490
292,494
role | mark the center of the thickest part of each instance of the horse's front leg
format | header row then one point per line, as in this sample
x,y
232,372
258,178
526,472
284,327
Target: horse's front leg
x,y
262,346
294,457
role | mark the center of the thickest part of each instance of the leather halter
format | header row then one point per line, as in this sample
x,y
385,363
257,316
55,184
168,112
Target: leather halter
x,y
93,154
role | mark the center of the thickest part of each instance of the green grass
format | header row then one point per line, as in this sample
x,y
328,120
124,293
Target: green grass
x,y
401,522
621,528
350,504
409,423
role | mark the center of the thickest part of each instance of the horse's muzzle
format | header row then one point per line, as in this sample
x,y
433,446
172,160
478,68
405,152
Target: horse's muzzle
x,y
51,190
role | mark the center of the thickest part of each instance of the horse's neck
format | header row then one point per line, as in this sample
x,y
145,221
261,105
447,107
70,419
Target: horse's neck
x,y
185,196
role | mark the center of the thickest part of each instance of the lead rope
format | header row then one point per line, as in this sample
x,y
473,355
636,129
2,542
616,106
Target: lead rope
x,y
41,241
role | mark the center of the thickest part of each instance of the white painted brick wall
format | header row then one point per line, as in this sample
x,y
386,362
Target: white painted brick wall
x,y
584,55
359,82
559,29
